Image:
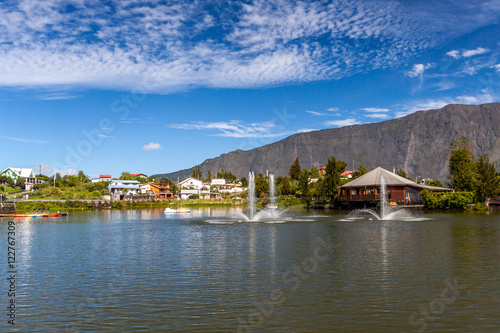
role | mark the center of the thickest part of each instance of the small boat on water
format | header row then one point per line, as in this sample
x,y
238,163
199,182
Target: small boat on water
x,y
38,215
169,210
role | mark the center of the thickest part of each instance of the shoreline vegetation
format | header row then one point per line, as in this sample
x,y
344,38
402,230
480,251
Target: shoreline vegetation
x,y
457,202
475,181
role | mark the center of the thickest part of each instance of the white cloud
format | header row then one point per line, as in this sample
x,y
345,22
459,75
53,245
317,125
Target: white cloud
x,y
378,115
497,67
235,129
454,54
418,70
315,113
152,146
164,47
431,104
471,53
335,109
375,110
340,123
305,130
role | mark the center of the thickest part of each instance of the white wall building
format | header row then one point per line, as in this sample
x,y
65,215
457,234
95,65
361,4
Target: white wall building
x,y
191,183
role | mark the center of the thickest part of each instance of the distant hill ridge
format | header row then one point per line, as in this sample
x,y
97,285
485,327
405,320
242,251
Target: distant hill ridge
x,y
418,143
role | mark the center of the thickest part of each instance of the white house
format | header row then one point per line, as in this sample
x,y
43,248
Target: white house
x,y
186,194
223,187
26,174
191,183
124,187
216,182
145,188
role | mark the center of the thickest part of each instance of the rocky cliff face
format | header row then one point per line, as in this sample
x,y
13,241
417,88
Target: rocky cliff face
x,y
418,143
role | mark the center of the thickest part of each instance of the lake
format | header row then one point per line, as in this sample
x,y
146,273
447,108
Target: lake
x,y
142,270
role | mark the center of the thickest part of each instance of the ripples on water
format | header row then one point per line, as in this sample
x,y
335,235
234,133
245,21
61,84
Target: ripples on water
x,y
207,272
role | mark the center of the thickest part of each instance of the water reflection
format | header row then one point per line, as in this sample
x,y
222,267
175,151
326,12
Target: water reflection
x,y
142,270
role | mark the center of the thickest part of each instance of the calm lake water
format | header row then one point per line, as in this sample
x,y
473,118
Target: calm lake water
x,y
140,270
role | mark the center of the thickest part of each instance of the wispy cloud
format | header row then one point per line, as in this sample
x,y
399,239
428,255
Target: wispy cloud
x,y
163,47
236,129
497,67
375,110
378,115
24,140
151,146
305,130
471,53
456,54
429,104
315,113
57,96
418,72
344,122
333,109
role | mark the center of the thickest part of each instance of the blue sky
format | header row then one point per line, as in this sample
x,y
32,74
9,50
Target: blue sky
x,y
158,86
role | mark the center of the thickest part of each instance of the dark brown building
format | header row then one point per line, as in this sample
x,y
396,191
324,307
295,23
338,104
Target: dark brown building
x,y
366,188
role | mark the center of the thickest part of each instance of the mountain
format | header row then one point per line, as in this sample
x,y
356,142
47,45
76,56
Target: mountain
x,y
418,143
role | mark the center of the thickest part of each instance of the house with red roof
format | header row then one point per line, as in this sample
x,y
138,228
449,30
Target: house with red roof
x,y
102,178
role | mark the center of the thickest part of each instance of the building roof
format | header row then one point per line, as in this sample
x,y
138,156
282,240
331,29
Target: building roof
x,y
190,179
22,172
346,173
129,182
372,178
160,186
139,174
104,176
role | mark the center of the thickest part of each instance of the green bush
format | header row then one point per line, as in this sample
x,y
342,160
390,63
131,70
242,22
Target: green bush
x,y
447,200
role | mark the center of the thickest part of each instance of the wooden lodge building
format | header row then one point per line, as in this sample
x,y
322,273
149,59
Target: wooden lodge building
x,y
366,189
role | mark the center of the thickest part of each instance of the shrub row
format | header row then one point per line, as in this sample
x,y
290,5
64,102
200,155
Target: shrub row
x,y
447,200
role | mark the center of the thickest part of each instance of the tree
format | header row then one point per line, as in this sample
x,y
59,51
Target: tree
x,y
360,172
152,179
20,183
244,182
125,176
314,172
305,187
59,180
227,175
462,168
82,177
196,172
209,175
402,173
163,180
433,182
261,185
294,172
331,180
488,181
